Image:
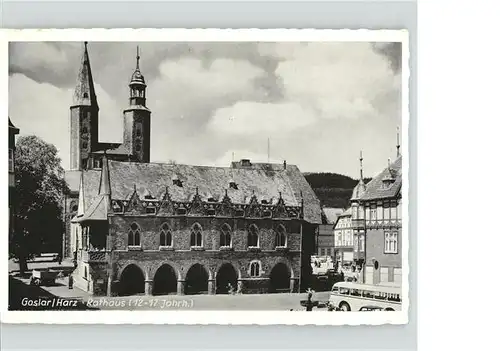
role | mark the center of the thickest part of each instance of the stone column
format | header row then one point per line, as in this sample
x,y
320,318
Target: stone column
x,y
109,285
292,285
211,286
180,287
148,287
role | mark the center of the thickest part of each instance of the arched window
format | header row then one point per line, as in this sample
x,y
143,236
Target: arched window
x,y
165,235
253,236
254,269
280,236
225,235
196,237
134,235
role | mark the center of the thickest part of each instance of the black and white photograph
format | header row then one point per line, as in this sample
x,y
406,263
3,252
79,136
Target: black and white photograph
x,y
258,173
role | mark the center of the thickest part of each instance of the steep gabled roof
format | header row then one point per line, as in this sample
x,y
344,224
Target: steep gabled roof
x,y
209,182
98,211
331,214
376,189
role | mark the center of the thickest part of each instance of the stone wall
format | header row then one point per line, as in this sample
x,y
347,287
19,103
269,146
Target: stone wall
x,y
149,257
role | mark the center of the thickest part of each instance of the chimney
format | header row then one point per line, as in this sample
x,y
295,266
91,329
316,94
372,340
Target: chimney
x,y
284,164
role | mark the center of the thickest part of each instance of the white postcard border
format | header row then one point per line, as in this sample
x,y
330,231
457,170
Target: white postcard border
x,y
211,317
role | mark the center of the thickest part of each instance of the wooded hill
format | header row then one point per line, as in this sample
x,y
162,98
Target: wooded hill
x,y
332,189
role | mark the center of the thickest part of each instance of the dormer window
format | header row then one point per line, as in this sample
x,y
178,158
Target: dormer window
x,y
233,185
176,181
211,199
85,95
387,182
264,202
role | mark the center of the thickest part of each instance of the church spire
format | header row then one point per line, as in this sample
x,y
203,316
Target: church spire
x,y
397,144
104,185
361,166
360,188
138,57
85,92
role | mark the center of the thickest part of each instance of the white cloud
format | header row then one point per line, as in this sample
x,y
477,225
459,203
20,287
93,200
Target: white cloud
x,y
340,80
187,82
42,109
46,55
250,118
335,99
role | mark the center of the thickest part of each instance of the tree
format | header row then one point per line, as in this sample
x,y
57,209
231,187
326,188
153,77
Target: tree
x,y
40,187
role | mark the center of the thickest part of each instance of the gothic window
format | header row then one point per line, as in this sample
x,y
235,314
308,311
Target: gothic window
x,y
253,236
165,235
255,269
225,235
196,237
280,236
134,235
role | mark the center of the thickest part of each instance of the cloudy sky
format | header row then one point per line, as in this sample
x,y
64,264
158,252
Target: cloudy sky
x,y
318,103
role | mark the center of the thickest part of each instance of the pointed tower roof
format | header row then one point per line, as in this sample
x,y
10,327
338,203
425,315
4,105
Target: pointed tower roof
x,y
360,188
137,77
398,145
85,91
100,208
104,185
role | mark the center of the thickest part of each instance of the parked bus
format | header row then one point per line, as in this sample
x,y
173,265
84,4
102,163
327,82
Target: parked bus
x,y
348,296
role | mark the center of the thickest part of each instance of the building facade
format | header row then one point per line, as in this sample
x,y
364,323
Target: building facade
x,y
382,204
137,227
358,220
161,229
86,151
344,242
13,131
325,241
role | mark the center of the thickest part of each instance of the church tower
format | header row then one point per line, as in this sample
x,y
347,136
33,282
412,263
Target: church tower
x,y
137,118
84,116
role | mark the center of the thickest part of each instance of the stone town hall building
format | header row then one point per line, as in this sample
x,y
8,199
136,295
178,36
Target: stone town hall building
x,y
139,227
